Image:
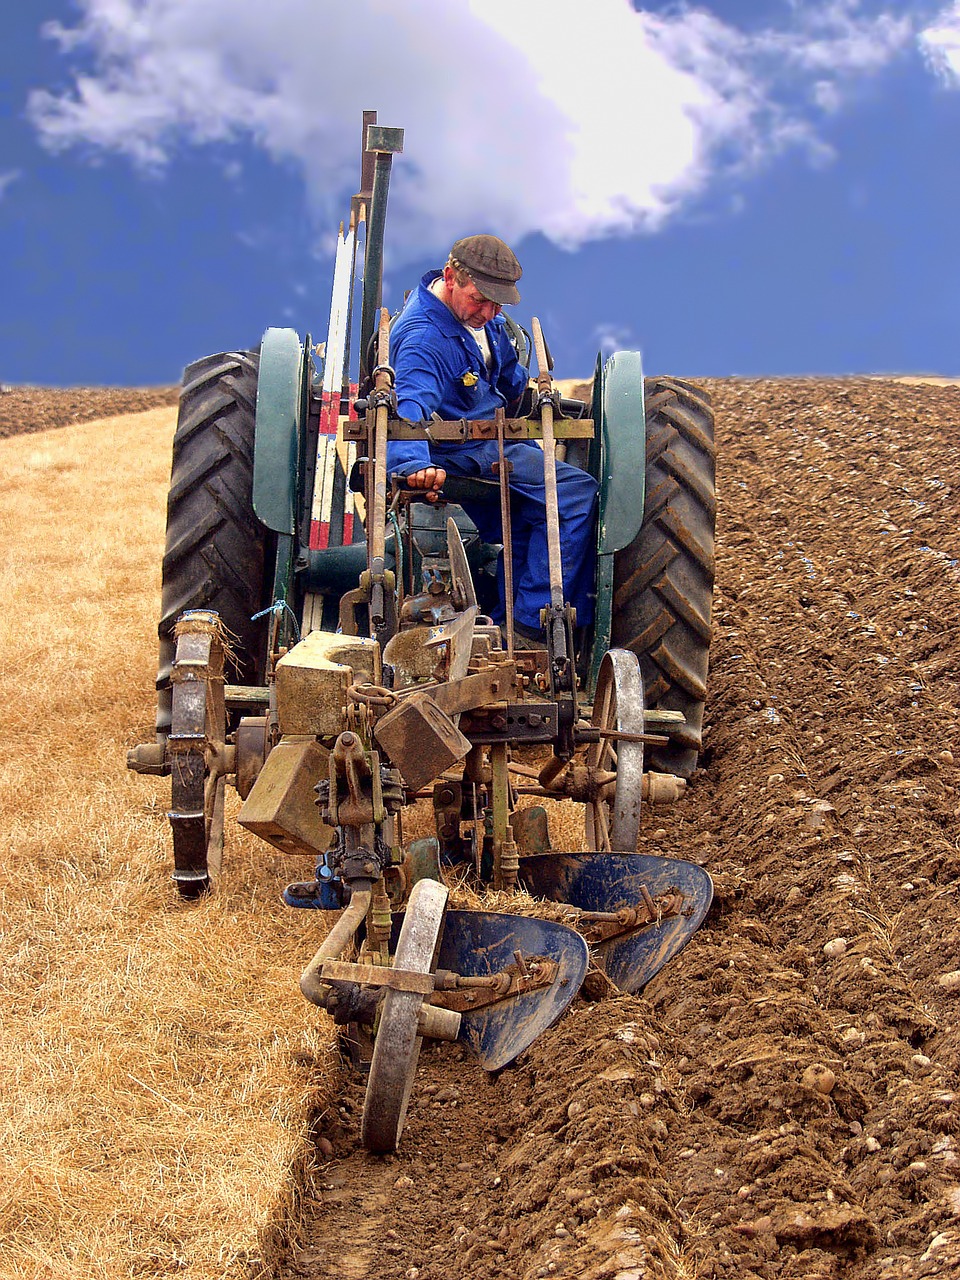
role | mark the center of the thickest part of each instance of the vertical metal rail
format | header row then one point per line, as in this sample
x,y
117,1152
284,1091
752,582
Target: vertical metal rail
x,y
506,863
385,144
381,583
558,616
359,207
505,521
545,388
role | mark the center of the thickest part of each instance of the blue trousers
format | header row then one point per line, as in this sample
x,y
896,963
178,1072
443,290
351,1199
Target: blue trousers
x,y
577,503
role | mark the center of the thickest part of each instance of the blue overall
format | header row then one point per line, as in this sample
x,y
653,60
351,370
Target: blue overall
x,y
440,371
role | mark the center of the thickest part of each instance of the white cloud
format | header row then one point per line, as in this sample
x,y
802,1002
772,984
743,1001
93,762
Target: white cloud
x,y
613,337
837,37
575,118
7,179
941,44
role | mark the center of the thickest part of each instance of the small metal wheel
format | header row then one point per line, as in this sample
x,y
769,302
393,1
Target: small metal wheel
x,y
612,821
397,1044
198,751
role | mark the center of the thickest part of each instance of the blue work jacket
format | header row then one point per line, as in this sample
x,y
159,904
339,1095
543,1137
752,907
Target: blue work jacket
x,y
439,369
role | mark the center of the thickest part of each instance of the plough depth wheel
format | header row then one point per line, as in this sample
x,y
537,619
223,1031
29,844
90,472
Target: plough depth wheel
x,y
397,1044
612,823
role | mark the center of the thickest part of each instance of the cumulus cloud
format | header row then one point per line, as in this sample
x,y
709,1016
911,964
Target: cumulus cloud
x,y
577,119
941,44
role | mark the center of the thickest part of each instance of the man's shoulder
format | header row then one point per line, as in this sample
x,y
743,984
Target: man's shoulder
x,y
426,316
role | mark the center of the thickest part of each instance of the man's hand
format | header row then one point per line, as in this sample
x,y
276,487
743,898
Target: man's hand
x,y
431,479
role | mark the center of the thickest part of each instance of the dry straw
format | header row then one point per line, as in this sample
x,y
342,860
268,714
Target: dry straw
x,y
158,1066
159,1069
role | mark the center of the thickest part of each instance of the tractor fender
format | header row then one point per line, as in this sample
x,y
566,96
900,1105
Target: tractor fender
x,y
617,460
619,410
280,414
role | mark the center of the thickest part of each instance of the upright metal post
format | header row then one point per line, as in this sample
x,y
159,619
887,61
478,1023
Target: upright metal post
x,y
358,216
506,523
545,387
384,143
558,616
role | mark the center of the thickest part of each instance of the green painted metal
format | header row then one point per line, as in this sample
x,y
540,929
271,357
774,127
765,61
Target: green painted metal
x,y
617,459
623,448
280,414
308,439
286,620
602,624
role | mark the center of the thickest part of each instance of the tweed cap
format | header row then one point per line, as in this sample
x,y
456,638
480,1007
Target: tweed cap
x,y
493,266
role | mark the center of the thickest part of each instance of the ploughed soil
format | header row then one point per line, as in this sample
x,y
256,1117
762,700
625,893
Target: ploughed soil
x,y
24,408
783,1100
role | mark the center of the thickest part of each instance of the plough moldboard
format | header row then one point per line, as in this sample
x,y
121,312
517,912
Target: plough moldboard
x,y
376,679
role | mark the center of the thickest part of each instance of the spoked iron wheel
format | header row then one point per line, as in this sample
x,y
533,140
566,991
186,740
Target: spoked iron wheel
x,y
612,821
199,754
397,1045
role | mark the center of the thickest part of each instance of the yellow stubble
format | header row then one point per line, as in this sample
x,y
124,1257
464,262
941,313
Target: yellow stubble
x,y
157,1063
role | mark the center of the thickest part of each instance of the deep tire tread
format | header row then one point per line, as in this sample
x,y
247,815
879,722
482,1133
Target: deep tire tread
x,y
216,554
663,582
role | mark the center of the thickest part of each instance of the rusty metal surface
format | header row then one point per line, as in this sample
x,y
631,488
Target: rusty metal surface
x,y
470,995
253,746
506,526
377,975
196,747
462,588
495,684
476,429
530,721
505,861
280,806
420,740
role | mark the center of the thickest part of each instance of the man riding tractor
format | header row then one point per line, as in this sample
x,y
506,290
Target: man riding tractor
x,y
454,357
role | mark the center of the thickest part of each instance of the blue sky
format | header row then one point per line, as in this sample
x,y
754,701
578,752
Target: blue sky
x,y
733,187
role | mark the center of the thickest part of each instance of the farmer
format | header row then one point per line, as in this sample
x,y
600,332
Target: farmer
x,y
453,358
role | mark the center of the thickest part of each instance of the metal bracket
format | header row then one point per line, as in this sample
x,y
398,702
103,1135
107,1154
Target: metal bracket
x,y
529,721
466,995
377,975
602,926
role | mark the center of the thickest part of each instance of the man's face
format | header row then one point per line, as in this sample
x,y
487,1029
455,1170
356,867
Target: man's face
x,y
467,302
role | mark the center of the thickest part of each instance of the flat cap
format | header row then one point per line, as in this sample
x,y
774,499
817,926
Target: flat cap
x,y
493,266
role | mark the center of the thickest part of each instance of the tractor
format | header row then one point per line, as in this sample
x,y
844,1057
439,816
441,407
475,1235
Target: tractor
x,y
326,648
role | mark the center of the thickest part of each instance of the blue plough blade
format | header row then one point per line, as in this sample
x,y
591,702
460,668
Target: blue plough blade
x,y
611,881
477,943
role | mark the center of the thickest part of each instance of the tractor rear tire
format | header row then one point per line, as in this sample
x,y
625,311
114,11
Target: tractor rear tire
x,y
663,581
217,552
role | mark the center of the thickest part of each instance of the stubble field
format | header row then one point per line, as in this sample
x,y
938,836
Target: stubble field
x,y
781,1102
